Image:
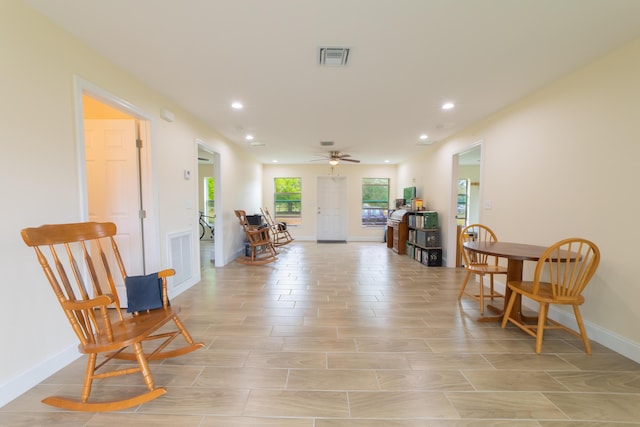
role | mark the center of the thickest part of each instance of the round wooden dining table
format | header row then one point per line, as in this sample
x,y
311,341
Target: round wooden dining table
x,y
516,254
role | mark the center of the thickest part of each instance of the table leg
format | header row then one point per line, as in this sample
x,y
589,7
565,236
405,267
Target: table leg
x,y
514,272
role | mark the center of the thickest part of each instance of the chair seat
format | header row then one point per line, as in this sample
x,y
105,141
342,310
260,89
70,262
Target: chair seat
x,y
487,269
130,330
545,293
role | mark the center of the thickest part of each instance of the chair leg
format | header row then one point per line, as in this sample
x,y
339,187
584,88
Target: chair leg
x,y
583,331
88,376
464,285
144,365
481,295
542,320
510,304
491,287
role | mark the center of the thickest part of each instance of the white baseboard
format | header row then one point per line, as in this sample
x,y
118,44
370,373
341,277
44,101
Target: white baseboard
x,y
34,376
596,333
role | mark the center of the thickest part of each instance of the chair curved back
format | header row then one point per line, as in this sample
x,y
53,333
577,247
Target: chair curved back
x,y
477,233
568,266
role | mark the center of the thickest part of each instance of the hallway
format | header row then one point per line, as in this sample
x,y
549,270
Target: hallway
x,y
335,335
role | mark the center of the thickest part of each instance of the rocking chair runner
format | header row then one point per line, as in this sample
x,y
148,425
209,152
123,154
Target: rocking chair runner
x,y
66,252
261,247
279,233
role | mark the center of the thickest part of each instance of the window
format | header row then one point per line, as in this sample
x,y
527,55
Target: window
x,y
209,198
375,201
288,200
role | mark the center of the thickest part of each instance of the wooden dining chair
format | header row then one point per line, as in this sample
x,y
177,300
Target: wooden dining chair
x,y
479,264
279,233
81,262
261,249
560,276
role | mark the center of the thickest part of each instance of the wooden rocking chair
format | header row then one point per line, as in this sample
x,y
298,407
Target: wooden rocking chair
x,y
261,247
68,252
279,233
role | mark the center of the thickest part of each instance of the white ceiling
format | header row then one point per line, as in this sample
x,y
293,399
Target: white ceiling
x,y
407,58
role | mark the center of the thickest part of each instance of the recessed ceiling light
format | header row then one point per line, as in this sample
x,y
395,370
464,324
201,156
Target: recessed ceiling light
x,y
386,161
424,136
448,106
249,137
274,161
237,105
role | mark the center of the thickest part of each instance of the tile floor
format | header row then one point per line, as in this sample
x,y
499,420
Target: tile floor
x,y
335,335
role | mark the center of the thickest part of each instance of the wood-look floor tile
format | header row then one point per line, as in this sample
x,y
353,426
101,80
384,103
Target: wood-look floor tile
x,y
278,403
595,381
501,380
242,378
143,420
433,380
309,360
352,335
332,379
522,405
256,422
198,401
400,404
598,406
367,361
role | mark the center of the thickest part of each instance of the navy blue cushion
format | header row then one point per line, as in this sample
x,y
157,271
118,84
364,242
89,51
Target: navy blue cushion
x,y
143,292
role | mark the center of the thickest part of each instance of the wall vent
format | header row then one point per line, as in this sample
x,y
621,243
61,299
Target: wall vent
x,y
180,257
333,56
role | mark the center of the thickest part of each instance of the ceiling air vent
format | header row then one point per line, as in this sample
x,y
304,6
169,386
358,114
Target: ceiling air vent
x,y
334,56
326,143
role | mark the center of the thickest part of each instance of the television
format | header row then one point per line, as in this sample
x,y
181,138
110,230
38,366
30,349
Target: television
x,y
409,193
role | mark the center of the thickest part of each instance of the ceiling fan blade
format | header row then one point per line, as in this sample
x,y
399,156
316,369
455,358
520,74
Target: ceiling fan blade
x,y
342,156
351,160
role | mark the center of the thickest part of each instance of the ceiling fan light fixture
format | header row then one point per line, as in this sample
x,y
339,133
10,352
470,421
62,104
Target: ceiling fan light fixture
x,y
334,162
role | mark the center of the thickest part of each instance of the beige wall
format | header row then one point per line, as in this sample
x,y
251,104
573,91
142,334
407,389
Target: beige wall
x,y
557,164
39,66
309,175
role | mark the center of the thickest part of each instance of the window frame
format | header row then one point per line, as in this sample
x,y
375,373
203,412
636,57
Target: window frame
x,y
379,220
291,216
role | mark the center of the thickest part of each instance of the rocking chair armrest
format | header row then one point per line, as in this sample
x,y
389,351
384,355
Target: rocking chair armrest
x,y
163,274
102,300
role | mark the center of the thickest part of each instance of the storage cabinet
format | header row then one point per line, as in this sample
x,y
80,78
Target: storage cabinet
x,y
423,238
397,230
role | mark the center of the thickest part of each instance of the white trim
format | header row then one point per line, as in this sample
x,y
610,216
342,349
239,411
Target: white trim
x,y
149,183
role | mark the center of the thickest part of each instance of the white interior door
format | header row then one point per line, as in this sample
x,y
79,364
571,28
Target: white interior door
x,y
113,188
332,209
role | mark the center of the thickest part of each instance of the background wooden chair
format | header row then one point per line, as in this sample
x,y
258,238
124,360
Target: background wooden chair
x,y
479,264
279,233
568,265
78,260
261,249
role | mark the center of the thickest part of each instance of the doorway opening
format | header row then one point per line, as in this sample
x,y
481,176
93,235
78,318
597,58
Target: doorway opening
x,y
465,200
209,219
126,198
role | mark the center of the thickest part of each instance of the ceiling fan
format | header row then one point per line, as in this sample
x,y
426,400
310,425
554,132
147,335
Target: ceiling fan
x,y
335,157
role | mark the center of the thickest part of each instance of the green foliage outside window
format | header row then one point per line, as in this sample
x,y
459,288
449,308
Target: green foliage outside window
x,y
375,201
287,198
209,196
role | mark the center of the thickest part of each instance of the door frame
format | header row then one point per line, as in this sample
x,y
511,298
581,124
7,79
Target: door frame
x,y
452,226
151,237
